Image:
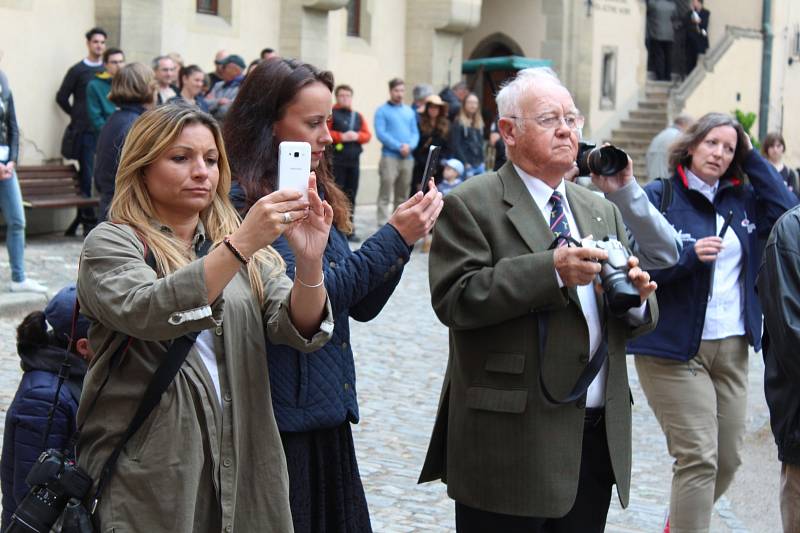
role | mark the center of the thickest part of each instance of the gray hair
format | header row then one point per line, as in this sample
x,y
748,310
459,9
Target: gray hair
x,y
158,60
683,121
511,92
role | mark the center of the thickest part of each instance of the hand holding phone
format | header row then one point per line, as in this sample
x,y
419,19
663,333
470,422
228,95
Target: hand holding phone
x,y
294,166
431,165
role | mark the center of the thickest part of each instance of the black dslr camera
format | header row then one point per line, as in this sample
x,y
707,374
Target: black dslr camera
x,y
621,294
601,160
55,481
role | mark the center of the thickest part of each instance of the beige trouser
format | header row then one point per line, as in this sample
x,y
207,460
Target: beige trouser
x,y
395,176
790,497
701,405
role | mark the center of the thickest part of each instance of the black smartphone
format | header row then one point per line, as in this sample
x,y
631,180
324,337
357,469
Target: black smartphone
x,y
430,166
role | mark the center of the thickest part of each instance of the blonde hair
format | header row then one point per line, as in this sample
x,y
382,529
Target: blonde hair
x,y
476,121
152,134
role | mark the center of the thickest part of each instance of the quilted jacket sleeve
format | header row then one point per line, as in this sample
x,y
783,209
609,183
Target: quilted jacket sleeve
x,y
363,282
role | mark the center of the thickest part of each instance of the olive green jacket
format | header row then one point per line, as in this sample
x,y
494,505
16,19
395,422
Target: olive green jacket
x,y
194,465
496,442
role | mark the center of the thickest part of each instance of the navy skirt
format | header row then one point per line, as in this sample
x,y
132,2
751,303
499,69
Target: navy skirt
x,y
325,490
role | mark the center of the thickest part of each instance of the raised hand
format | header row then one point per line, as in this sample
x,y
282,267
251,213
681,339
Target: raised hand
x,y
609,184
308,236
268,218
415,217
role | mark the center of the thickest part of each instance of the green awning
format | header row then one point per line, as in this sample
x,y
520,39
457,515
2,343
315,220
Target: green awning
x,y
490,64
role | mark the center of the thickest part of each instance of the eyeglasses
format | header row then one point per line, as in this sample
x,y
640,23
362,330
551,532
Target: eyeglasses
x,y
549,122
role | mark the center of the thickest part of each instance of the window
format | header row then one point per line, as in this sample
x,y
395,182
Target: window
x,y
208,7
608,87
354,18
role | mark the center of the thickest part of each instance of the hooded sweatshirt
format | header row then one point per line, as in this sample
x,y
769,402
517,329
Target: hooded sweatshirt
x,y
98,106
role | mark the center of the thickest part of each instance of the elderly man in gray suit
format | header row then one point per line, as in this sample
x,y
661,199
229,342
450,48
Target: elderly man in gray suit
x,y
534,421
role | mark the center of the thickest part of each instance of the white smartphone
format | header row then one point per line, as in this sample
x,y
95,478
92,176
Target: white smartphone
x,y
294,166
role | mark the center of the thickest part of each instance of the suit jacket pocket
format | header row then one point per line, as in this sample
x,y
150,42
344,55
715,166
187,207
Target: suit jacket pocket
x,y
497,400
506,363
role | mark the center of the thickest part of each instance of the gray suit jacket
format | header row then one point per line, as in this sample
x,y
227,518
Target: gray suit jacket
x,y
496,442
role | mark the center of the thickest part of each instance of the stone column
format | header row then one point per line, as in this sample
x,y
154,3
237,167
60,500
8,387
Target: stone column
x,y
434,44
304,29
135,26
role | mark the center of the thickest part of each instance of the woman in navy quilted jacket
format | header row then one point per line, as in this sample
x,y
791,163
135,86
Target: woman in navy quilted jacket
x,y
41,354
314,394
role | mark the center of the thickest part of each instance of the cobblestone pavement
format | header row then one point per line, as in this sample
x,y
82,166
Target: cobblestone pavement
x,y
400,359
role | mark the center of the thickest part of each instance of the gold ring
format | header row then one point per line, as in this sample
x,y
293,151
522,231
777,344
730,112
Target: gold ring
x,y
287,218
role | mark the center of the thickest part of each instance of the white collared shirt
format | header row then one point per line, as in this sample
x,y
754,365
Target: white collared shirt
x,y
541,193
725,312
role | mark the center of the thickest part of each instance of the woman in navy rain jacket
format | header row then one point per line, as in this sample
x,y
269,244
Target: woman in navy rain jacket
x,y
41,354
693,366
314,394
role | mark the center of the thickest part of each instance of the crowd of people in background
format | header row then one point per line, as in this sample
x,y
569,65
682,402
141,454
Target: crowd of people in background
x,y
183,159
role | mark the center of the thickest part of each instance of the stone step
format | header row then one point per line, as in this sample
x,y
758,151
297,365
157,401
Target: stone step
x,y
641,124
653,104
636,154
653,115
656,96
631,145
642,136
659,85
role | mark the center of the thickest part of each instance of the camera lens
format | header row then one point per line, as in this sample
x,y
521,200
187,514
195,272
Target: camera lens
x,y
297,154
607,160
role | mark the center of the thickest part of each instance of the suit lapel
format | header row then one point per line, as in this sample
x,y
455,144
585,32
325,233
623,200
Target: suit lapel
x,y
590,220
523,213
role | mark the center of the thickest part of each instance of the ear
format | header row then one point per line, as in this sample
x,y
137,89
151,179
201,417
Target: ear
x,y
82,347
508,131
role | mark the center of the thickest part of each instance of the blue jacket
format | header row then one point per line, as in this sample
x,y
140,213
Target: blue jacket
x,y
317,390
683,289
108,151
396,124
26,418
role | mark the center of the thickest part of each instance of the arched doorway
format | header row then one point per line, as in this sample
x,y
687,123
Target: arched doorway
x,y
485,84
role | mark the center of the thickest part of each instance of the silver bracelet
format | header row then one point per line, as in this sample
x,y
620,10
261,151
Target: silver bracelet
x,y
306,285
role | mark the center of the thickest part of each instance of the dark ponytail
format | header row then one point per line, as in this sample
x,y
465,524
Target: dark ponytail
x,y
32,331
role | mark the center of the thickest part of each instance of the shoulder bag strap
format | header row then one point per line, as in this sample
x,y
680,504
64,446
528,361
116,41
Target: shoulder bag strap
x,y
162,378
666,194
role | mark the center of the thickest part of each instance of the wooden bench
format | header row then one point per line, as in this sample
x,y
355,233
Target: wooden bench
x,y
54,186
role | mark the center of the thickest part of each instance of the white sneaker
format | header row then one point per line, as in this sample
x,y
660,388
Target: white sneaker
x,y
28,285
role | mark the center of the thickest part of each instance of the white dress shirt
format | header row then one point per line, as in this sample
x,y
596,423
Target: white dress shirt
x,y
725,312
541,193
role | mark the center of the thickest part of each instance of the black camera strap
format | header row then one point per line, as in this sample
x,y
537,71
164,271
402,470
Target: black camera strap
x,y
588,374
591,370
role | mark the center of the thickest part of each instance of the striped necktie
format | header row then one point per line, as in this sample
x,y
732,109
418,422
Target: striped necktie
x,y
558,218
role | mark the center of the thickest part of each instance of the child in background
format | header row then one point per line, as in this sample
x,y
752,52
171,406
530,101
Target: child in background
x,y
451,175
41,352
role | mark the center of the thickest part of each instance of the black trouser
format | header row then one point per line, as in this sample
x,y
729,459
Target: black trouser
x,y
588,513
346,177
661,52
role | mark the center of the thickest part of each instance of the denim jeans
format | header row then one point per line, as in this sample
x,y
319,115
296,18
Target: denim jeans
x,y
14,214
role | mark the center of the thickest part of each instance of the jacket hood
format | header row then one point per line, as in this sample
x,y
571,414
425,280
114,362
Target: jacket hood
x,y
48,359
